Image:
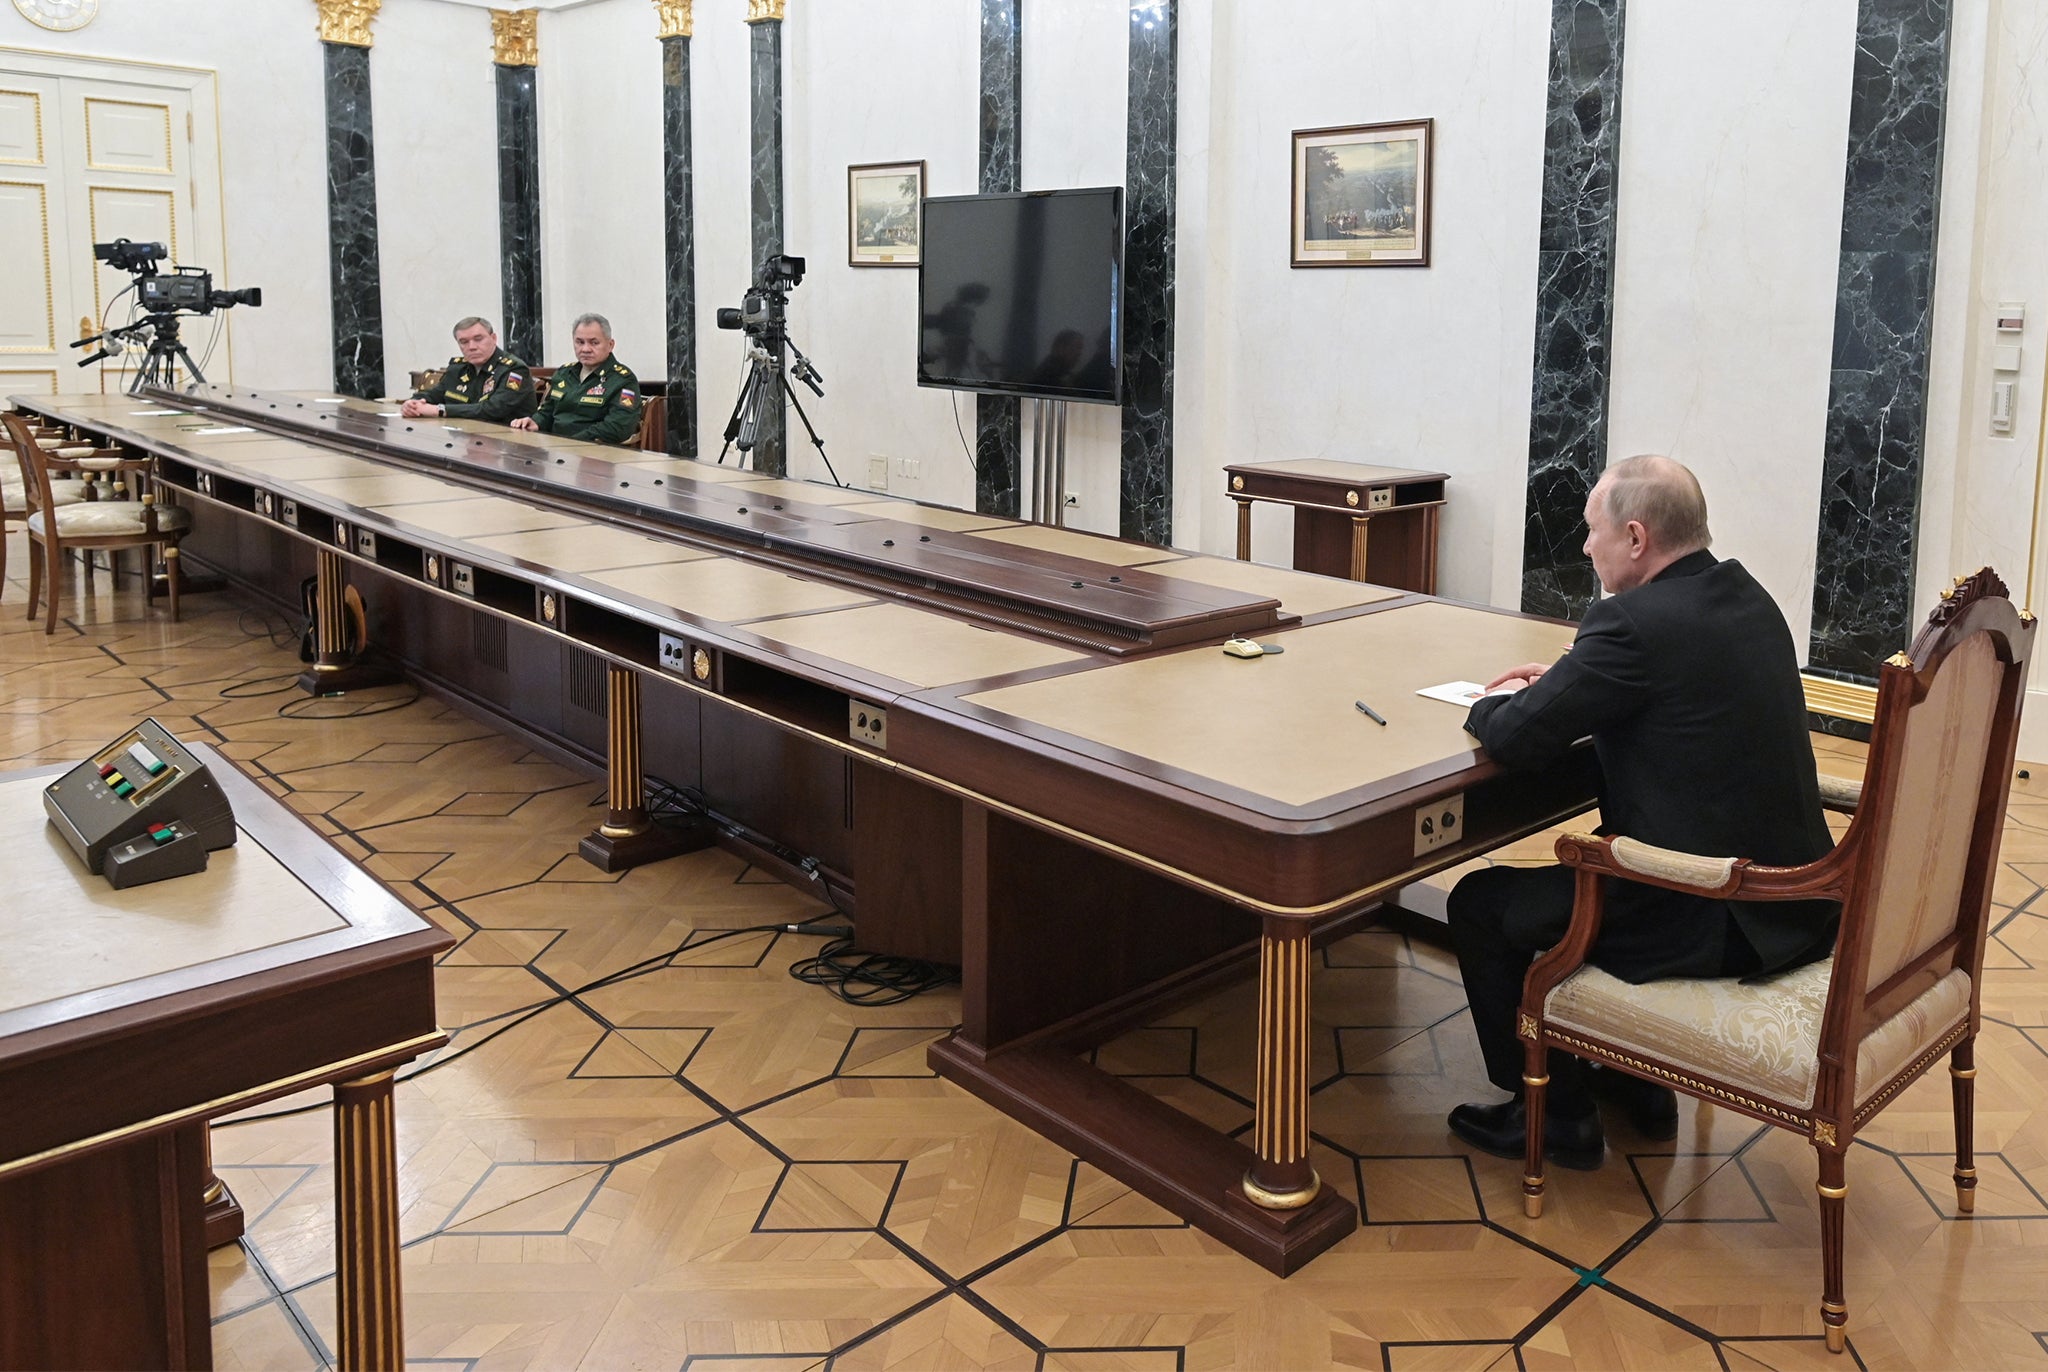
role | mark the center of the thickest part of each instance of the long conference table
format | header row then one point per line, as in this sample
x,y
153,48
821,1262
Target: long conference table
x,y
1043,766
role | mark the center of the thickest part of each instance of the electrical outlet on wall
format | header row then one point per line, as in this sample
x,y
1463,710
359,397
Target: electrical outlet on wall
x,y
878,472
1073,501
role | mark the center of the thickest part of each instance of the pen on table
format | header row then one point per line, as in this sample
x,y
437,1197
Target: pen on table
x,y
1374,715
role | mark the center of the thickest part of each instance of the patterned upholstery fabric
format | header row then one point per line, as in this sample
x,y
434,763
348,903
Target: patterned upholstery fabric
x,y
61,493
102,518
1761,1037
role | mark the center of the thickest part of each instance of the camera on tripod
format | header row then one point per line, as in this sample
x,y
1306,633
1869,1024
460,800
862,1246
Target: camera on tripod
x,y
161,298
761,309
182,288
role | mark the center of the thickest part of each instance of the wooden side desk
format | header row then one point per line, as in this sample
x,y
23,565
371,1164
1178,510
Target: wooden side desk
x,y
1374,524
130,1018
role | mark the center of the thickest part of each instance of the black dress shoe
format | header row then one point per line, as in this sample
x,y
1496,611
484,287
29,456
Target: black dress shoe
x,y
1502,1130
1652,1110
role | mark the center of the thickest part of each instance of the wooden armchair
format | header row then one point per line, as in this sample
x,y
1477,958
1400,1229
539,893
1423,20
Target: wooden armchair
x,y
62,514
653,436
1821,1049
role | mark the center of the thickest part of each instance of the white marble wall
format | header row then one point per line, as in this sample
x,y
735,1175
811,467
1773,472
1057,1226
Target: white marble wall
x,y
1983,494
437,180
1410,367
883,81
1729,234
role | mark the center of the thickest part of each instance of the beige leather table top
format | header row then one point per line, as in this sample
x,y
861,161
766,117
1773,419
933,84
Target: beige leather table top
x,y
1327,469
385,489
680,466
484,514
1301,593
1285,727
310,464
728,590
1072,543
587,548
66,931
913,646
930,516
272,450
803,492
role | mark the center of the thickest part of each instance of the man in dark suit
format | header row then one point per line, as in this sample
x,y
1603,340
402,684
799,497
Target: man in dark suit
x,y
1687,682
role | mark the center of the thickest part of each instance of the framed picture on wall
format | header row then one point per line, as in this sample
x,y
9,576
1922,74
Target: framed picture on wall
x,y
883,200
1361,195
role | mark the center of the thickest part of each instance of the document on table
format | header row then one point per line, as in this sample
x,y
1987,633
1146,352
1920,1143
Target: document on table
x,y
1454,692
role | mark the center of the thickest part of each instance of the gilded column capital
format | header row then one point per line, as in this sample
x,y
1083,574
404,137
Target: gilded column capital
x,y
764,11
515,38
347,21
675,17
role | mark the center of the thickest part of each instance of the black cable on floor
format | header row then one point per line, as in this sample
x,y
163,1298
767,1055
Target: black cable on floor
x,y
856,977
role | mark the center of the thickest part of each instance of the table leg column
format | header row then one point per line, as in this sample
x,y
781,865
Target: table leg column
x,y
1281,1177
629,837
1244,529
1360,524
337,663
367,1293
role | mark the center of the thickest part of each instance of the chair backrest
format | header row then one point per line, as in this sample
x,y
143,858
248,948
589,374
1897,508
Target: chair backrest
x,y
28,454
1925,838
654,424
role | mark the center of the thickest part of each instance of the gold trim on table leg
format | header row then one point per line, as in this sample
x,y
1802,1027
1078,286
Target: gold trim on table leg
x,y
1244,529
1281,1177
1360,525
629,837
369,1314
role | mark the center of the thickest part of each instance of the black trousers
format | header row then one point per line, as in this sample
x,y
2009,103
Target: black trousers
x,y
1502,917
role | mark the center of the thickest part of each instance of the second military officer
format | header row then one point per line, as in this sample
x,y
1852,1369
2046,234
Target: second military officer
x,y
483,383
597,399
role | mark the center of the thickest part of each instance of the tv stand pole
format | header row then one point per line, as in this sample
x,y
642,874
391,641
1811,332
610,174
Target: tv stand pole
x,y
1049,462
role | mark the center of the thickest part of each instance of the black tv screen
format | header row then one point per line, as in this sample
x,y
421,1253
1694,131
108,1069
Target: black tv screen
x,y
1023,294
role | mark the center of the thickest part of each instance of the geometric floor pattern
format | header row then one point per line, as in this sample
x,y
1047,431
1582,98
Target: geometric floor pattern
x,y
709,1165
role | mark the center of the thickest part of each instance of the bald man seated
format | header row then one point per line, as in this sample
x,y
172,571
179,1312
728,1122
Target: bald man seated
x,y
1687,681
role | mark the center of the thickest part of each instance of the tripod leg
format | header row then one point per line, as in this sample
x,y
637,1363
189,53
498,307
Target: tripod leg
x,y
816,441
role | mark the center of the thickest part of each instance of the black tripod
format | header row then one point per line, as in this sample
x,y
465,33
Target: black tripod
x,y
763,384
160,364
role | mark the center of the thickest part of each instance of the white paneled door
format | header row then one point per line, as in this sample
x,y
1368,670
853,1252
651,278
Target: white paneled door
x,y
92,151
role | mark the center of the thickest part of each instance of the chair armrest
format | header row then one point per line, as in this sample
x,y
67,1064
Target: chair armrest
x,y
1720,878
1840,793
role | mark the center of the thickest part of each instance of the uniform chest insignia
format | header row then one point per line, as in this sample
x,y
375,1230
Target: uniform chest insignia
x,y
490,384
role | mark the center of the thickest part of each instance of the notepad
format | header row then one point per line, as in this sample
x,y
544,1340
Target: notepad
x,y
226,429
156,412
1454,692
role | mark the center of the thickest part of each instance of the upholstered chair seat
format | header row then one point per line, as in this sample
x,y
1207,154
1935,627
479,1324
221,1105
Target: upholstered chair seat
x,y
100,518
1762,1038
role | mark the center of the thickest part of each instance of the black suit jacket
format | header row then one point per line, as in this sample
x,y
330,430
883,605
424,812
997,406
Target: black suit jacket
x,y
1689,687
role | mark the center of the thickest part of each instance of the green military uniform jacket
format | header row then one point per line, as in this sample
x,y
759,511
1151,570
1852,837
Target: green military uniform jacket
x,y
603,407
501,390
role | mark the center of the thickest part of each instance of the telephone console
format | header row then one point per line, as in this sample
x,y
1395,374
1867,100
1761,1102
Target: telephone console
x,y
141,809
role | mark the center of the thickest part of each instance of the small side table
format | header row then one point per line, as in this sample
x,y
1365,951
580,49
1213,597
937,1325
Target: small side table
x,y
1374,524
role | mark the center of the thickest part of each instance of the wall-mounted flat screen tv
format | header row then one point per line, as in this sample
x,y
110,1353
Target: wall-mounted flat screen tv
x,y
1023,294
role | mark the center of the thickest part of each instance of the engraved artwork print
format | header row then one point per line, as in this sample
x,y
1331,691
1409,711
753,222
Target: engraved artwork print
x,y
1361,195
884,203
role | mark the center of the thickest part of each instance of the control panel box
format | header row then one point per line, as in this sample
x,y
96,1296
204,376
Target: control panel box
x,y
867,724
142,783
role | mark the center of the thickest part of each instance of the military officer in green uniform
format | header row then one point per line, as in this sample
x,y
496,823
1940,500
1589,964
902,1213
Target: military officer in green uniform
x,y
483,383
596,399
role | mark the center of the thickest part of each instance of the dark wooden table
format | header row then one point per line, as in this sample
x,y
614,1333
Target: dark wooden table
x,y
1076,795
128,1019
1374,524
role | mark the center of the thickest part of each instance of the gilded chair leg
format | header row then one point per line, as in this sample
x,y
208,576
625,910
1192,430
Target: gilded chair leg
x,y
1962,1072
1534,1091
1834,1196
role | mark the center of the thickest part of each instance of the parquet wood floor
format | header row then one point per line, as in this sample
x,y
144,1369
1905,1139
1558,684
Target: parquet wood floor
x,y
712,1166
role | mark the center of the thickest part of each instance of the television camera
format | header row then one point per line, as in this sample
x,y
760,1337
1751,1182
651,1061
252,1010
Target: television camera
x,y
763,315
161,297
